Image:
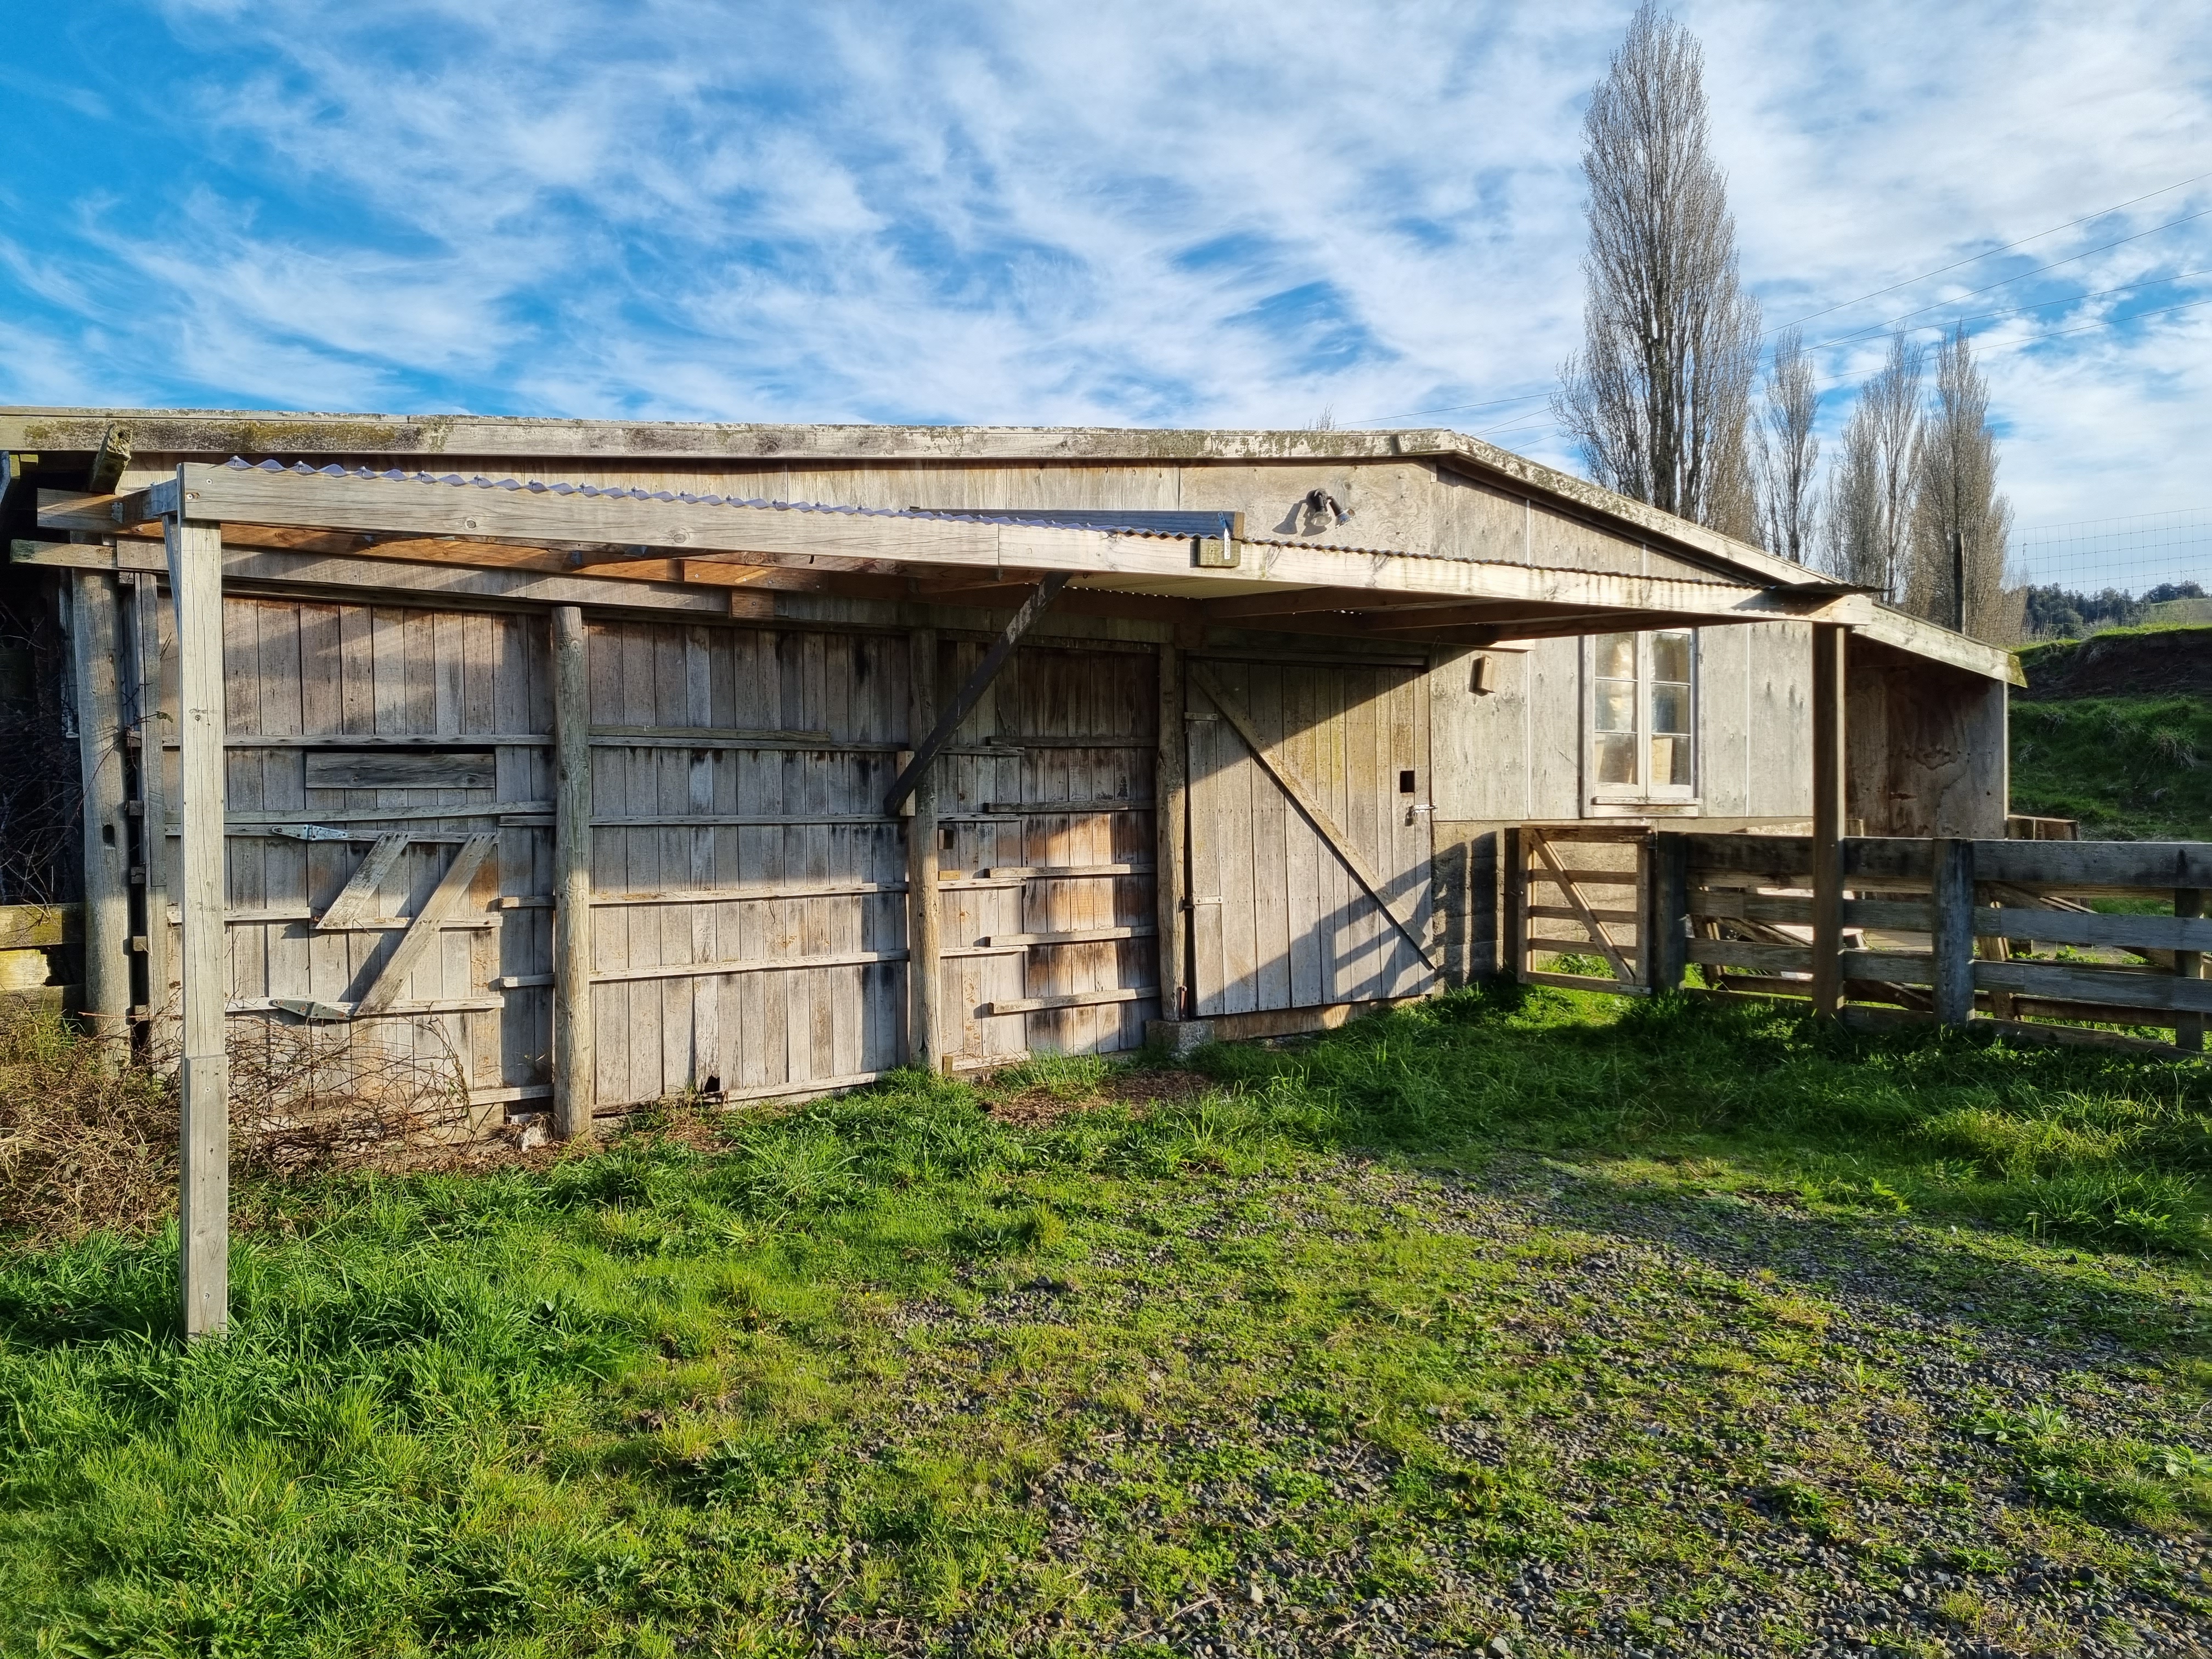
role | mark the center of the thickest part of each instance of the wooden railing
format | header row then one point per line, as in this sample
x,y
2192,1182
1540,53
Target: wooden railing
x,y
1945,930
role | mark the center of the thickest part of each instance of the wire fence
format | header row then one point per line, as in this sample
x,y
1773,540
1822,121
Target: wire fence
x,y
2117,572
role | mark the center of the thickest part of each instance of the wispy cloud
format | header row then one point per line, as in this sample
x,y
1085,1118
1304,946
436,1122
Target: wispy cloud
x,y
1201,213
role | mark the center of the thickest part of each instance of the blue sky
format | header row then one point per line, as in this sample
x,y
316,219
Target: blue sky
x,y
1186,214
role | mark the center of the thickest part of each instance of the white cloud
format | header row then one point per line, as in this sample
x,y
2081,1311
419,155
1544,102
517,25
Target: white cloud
x,y
1002,213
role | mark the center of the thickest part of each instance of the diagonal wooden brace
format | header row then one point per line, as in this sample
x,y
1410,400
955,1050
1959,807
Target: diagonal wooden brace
x,y
1307,801
352,906
424,928
1002,650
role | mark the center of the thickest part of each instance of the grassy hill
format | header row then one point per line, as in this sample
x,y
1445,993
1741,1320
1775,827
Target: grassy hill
x,y
2116,730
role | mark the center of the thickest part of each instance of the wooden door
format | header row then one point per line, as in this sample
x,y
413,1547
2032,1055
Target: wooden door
x,y
1309,835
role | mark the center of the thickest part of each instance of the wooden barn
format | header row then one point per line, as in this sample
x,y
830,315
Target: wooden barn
x,y
599,761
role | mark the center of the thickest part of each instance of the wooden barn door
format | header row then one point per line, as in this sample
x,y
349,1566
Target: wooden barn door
x,y
1309,835
1046,808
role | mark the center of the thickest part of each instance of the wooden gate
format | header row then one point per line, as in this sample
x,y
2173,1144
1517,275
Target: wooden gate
x,y
1309,835
1577,899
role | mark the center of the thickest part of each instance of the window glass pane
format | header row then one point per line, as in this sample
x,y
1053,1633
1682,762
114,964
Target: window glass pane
x,y
1670,760
1616,705
1616,656
1671,657
1616,758
1670,710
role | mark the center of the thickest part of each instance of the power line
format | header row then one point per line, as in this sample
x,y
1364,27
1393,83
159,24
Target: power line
x,y
1845,339
2060,333
1991,254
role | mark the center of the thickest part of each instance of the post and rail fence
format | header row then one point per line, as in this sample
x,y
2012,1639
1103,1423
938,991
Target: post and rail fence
x,y
2000,934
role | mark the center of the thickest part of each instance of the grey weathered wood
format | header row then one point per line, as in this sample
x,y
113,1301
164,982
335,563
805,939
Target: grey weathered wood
x,y
1074,936
1667,953
152,790
95,649
2189,961
1600,934
925,908
195,552
2117,987
2183,930
574,1053
1513,924
1826,855
1308,802
423,930
2074,866
1952,899
1759,956
463,770
354,899
927,749
1071,999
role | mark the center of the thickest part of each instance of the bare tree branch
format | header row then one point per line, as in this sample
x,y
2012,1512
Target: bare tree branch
x,y
1871,487
1788,452
1961,523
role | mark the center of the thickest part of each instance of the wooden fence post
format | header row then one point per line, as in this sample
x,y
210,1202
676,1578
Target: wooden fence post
x,y
1169,804
2189,1029
1951,897
925,917
1829,749
1668,957
94,647
1515,929
575,1080
195,551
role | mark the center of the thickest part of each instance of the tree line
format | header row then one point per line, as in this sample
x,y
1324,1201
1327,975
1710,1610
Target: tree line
x,y
1667,401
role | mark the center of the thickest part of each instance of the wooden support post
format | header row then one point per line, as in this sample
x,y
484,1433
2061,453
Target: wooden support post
x,y
2189,1029
195,552
575,1066
1514,924
153,794
1829,646
94,647
1668,952
1169,806
925,917
1951,897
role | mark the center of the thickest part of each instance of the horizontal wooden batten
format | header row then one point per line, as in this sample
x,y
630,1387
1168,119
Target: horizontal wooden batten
x,y
2117,988
1072,1000
1080,936
1568,913
1580,981
304,817
1044,872
1759,956
471,769
1047,809
714,970
746,821
1865,1017
2074,928
312,1008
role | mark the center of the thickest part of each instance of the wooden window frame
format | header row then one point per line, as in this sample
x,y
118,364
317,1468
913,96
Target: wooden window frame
x,y
1614,799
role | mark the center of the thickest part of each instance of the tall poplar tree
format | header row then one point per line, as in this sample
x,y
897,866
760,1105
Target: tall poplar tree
x,y
1658,398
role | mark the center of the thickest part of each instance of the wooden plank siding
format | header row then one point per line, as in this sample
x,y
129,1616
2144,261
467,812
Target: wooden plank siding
x,y
1280,920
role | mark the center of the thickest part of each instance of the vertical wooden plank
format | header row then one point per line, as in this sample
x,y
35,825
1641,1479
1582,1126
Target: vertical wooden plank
x,y
2189,1029
573,1074
94,648
924,915
1952,897
153,792
1829,739
1667,944
195,553
1513,929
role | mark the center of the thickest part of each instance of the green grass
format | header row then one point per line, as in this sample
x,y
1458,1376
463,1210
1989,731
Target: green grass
x,y
2135,769
1374,1324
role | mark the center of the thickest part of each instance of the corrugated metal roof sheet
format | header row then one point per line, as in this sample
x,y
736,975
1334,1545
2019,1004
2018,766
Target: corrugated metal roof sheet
x,y
755,503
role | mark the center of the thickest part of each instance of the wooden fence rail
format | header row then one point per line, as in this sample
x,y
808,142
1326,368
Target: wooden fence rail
x,y
1943,930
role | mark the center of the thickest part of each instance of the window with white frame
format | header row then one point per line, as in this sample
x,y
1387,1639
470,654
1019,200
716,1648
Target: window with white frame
x,y
1642,717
